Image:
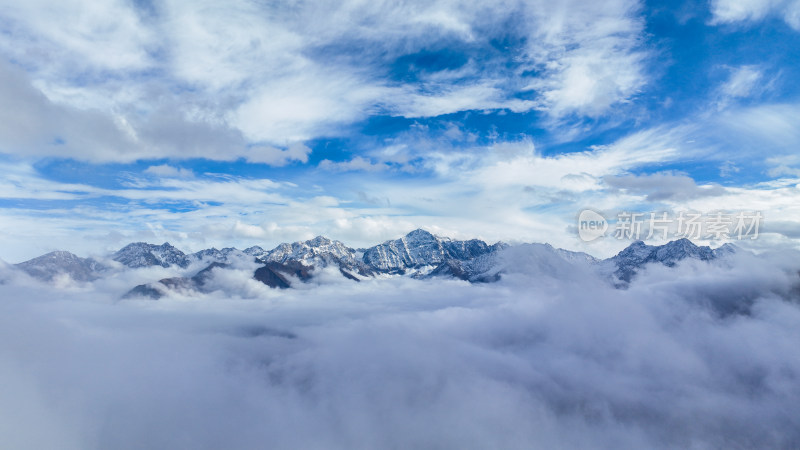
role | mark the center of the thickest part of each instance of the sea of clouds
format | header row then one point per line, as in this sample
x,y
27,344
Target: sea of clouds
x,y
551,356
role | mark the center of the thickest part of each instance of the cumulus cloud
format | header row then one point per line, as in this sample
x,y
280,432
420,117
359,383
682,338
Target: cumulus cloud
x,y
198,79
34,125
696,356
90,42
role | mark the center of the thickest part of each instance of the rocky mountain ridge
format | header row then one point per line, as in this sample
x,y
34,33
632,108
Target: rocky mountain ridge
x,y
419,254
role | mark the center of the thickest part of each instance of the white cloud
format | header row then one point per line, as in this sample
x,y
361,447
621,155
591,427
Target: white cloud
x,y
767,129
663,186
303,105
732,11
276,157
580,171
357,163
221,46
590,56
746,82
784,170
196,79
743,82
75,35
165,170
692,356
728,168
485,96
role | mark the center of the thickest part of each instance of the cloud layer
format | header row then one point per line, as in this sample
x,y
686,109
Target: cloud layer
x,y
696,356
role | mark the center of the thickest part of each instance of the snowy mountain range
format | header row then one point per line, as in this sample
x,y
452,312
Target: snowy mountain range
x,y
419,254
629,261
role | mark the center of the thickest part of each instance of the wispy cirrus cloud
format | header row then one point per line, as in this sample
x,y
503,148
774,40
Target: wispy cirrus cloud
x,y
733,11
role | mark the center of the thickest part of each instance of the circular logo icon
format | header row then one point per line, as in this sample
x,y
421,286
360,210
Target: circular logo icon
x,y
591,225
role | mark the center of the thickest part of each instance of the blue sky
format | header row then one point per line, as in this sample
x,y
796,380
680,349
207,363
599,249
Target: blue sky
x,y
239,123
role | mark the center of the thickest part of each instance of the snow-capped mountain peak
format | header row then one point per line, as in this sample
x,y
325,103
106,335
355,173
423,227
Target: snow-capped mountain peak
x,y
631,259
142,254
421,248
214,255
48,266
255,251
680,249
318,249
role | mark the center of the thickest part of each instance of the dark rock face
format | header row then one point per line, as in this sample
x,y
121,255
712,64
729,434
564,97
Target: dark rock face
x,y
198,283
143,291
451,269
47,267
271,278
276,275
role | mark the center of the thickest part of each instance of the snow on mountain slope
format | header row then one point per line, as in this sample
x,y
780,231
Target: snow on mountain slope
x,y
255,251
141,254
418,254
539,259
312,250
421,248
625,265
211,255
50,265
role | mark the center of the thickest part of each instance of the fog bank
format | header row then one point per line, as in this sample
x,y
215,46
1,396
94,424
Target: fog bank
x,y
551,356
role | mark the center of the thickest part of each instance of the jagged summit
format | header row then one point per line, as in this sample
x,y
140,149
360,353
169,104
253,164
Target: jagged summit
x,y
674,251
630,260
422,235
255,251
142,254
214,255
313,249
421,248
419,254
725,250
319,241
